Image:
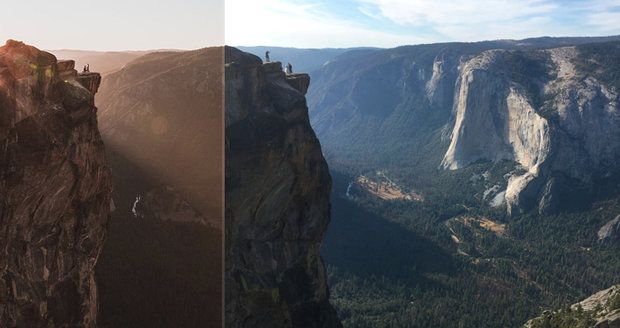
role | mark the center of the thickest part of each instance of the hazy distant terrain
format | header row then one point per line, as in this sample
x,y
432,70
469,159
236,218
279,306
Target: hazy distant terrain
x,y
303,60
103,62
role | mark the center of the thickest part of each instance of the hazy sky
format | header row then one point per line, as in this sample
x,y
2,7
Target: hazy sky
x,y
191,24
114,24
388,23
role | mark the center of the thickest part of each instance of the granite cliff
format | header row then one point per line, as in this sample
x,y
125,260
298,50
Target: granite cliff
x,y
600,310
55,191
277,200
550,111
561,124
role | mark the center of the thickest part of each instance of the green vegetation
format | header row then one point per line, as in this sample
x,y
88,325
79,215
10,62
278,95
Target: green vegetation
x,y
394,264
530,69
414,264
601,61
566,318
571,318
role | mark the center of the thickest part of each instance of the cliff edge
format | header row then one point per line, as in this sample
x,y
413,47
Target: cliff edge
x,y
277,200
55,191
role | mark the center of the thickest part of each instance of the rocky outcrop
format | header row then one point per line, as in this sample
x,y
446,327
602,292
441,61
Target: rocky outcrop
x,y
610,232
66,70
277,201
55,192
299,82
601,310
90,81
166,204
536,109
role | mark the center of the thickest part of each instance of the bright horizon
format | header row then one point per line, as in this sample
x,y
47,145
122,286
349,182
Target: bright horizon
x,y
114,25
141,25
392,23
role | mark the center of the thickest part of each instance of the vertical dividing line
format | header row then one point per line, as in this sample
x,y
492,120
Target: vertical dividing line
x,y
223,170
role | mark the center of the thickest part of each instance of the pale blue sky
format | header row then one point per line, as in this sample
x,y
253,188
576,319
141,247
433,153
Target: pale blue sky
x,y
388,23
114,24
190,24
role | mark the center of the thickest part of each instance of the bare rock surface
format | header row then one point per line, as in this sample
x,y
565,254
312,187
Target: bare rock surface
x,y
55,193
557,122
601,307
610,232
277,201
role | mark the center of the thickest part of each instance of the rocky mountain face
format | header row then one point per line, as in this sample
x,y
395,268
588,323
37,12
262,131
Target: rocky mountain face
x,y
161,118
163,111
601,310
277,200
610,232
552,111
55,192
558,122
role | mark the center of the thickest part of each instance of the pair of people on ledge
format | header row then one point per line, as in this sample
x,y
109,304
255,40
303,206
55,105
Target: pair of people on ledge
x,y
288,69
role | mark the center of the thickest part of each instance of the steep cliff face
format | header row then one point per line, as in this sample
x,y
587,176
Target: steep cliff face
x,y
55,191
538,110
277,200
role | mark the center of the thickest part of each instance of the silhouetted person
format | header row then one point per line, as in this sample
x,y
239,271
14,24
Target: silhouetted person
x,y
289,68
267,56
84,69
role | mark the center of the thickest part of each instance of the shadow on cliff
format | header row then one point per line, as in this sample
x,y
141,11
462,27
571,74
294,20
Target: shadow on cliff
x,y
154,273
363,244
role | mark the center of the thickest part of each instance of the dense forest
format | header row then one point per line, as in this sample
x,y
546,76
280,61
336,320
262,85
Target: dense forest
x,y
397,264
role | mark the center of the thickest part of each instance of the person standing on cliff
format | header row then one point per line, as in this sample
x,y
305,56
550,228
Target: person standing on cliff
x,y
289,68
267,56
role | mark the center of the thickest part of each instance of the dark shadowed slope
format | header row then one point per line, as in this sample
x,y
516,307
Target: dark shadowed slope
x,y
161,119
277,200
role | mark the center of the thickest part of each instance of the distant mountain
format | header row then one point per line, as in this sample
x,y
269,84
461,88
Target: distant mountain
x,y
489,165
103,62
421,107
161,118
303,60
163,110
